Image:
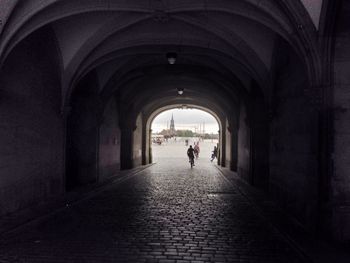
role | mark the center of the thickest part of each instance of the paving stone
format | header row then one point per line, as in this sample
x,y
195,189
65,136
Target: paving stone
x,y
167,213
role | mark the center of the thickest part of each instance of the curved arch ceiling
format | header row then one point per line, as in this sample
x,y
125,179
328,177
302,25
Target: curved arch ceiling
x,y
115,37
200,86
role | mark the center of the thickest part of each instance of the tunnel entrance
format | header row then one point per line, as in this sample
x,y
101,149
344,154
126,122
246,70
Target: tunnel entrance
x,y
77,105
173,131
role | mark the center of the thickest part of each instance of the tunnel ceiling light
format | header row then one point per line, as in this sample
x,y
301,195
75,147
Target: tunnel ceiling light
x,y
180,91
171,56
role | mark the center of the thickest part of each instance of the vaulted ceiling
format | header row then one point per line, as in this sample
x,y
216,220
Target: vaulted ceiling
x,y
233,39
314,8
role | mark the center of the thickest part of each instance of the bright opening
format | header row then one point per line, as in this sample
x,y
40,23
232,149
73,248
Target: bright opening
x,y
173,131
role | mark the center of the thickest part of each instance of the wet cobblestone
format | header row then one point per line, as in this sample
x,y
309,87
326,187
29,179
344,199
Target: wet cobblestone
x,y
167,213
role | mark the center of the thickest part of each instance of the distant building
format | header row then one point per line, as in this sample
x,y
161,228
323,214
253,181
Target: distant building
x,y
172,126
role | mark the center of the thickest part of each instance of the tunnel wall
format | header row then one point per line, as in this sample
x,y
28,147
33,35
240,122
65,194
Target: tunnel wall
x,y
137,143
82,134
31,141
244,146
148,146
340,181
228,146
109,148
294,140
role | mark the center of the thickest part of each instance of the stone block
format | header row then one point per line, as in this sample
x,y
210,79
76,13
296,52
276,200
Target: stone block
x,y
342,72
341,222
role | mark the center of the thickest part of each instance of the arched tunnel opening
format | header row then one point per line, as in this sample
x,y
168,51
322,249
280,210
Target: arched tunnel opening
x,y
82,83
173,131
111,133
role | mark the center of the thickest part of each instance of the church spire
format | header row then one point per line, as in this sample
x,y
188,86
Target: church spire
x,y
172,125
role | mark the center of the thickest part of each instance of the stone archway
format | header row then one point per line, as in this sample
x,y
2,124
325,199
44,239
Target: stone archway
x,y
147,145
261,61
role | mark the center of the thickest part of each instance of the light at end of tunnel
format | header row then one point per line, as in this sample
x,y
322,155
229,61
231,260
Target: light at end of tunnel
x,y
180,91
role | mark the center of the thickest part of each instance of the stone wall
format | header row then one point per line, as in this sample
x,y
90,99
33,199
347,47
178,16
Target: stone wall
x,y
109,149
228,146
244,146
294,140
82,134
31,140
137,143
340,181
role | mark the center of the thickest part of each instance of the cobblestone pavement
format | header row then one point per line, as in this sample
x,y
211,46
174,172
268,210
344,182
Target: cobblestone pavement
x,y
166,213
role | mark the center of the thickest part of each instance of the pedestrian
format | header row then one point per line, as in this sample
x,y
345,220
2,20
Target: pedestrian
x,y
190,154
196,150
214,153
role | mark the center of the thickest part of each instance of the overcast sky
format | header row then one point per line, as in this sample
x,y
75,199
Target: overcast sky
x,y
191,119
